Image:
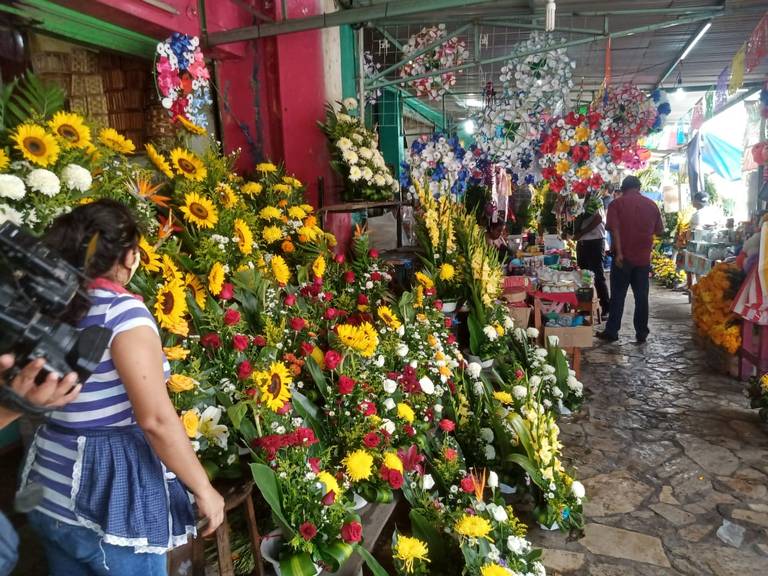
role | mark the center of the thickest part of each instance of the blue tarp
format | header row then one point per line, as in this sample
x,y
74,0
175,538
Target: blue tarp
x,y
722,156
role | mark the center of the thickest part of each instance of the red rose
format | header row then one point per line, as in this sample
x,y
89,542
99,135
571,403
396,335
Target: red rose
x,y
450,454
451,338
290,300
367,408
285,408
329,498
251,392
314,464
210,340
349,276
244,370
259,341
297,324
330,313
371,440
227,291
439,304
340,258
346,385
239,342
409,430
352,532
308,531
447,425
468,484
362,299
306,348
231,317
332,359
375,276
328,296
395,479
373,253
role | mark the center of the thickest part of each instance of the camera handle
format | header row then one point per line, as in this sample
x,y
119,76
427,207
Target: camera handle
x,y
9,399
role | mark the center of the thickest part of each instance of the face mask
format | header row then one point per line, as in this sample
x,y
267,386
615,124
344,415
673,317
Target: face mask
x,y
135,265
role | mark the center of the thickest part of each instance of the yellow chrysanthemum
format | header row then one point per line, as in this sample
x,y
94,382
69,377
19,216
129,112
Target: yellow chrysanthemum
x,y
495,570
473,527
270,213
188,165
393,462
274,385
318,267
503,397
406,412
251,189
148,257
176,352
35,144
71,128
563,147
158,160
359,465
764,383
601,148
584,172
197,289
271,234
244,236
180,383
308,234
266,167
297,213
425,280
387,316
170,270
116,142
4,160
408,550
171,303
330,239
216,278
282,188
190,126
191,422
329,482
447,272
291,181
226,195
280,270
199,210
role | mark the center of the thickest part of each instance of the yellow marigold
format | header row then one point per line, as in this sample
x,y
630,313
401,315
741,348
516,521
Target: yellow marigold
x,y
359,465
180,383
287,247
271,234
447,272
280,270
582,133
216,278
318,267
266,167
270,213
473,526
176,352
329,482
406,412
393,462
251,189
408,550
191,422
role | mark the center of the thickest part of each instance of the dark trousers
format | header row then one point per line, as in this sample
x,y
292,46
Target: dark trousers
x,y
622,277
589,255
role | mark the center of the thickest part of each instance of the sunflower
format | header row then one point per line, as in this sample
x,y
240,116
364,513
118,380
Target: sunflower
x,y
275,385
266,167
280,270
329,483
188,165
189,126
388,317
158,160
226,195
150,260
180,328
216,278
406,412
318,267
472,526
368,339
196,287
176,352
359,465
408,550
36,144
4,160
171,304
116,142
199,210
271,234
71,128
244,236
425,280
270,213
170,270
251,189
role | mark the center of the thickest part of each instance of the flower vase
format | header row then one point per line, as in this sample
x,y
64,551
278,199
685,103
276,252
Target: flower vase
x,y
270,551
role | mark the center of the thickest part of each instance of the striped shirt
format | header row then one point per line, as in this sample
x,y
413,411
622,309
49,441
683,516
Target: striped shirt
x,y
102,403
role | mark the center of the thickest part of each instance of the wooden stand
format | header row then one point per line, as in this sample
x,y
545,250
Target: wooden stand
x,y
753,354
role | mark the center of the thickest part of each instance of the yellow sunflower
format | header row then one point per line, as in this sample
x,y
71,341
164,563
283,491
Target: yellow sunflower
x,y
171,303
251,189
170,270
189,126
149,258
36,144
188,165
318,266
199,210
270,213
387,316
408,550
425,280
275,385
116,142
4,160
244,236
368,340
196,287
71,128
271,234
359,465
472,527
280,270
176,352
226,195
180,328
266,167
216,278
158,160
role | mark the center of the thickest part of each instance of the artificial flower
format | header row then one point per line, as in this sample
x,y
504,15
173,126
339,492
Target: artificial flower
x,y
35,144
187,164
116,142
71,128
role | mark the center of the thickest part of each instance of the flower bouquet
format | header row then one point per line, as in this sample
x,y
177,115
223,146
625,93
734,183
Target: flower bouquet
x,y
183,80
713,296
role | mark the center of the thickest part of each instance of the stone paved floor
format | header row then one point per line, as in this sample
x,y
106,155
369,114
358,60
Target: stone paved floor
x,y
675,464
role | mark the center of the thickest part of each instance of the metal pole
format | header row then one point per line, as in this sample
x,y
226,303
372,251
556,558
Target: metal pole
x,y
361,75
526,26
395,42
674,63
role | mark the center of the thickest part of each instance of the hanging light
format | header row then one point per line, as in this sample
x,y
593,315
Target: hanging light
x,y
469,126
679,93
549,24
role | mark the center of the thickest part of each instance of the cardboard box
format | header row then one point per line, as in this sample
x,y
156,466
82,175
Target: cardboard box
x,y
574,337
521,315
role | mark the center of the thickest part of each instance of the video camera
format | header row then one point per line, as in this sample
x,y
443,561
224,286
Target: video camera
x,y
36,286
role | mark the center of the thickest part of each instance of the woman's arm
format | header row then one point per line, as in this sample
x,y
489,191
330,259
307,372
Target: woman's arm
x,y
137,354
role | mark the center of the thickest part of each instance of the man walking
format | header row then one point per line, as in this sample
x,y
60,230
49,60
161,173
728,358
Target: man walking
x,y
590,247
633,220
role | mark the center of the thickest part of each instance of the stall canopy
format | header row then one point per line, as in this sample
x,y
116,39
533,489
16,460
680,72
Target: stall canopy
x,y
722,156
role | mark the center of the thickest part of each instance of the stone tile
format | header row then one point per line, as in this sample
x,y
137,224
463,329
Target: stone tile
x,y
695,532
562,560
673,514
667,496
616,493
619,543
759,518
711,457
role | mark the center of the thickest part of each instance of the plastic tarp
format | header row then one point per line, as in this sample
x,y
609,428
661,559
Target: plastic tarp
x,y
722,156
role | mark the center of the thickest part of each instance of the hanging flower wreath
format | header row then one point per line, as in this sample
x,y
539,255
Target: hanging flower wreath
x,y
370,69
663,109
632,115
440,160
182,78
576,153
544,78
453,52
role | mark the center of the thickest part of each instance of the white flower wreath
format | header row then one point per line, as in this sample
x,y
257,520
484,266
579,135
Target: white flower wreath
x,y
453,52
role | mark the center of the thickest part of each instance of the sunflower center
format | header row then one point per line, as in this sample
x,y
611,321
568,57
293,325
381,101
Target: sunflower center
x,y
275,385
143,256
69,133
34,145
187,166
168,303
240,237
198,210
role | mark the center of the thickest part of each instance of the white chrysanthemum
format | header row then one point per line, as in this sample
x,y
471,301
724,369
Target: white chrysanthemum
x,y
44,181
532,333
519,392
76,177
486,434
508,323
344,143
350,157
577,489
8,214
367,174
490,333
518,546
490,452
365,153
12,187
474,369
534,381
355,174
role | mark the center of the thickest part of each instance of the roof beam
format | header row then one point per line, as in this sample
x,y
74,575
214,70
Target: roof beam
x,y
391,9
679,58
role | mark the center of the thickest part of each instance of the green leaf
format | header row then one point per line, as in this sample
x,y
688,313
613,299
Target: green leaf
x,y
373,565
336,554
378,495
266,480
475,338
31,99
237,412
311,413
531,469
524,436
298,565
318,376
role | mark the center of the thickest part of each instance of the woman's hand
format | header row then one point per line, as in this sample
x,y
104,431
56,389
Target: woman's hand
x,y
210,506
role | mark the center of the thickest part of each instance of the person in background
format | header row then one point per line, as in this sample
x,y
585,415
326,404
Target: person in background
x,y
706,215
115,464
633,220
496,236
590,247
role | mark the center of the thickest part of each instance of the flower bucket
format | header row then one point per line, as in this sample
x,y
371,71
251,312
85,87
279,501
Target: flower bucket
x,y
358,502
270,551
449,307
549,528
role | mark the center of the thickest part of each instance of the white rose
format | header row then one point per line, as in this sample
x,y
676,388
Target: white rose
x,y
499,513
486,434
490,333
519,392
490,452
401,350
44,181
532,333
427,482
493,479
389,404
474,369
577,489
388,426
11,187
76,177
389,386
427,386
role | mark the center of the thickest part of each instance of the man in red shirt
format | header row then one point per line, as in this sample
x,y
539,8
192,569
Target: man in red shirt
x,y
633,220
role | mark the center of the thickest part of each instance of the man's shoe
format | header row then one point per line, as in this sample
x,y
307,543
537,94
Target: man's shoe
x,y
606,336
641,339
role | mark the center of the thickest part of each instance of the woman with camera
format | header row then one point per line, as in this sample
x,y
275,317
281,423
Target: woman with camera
x,y
115,463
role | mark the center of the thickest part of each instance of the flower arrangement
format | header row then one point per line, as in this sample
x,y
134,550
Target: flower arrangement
x,y
356,155
757,392
665,270
439,160
453,52
713,296
182,79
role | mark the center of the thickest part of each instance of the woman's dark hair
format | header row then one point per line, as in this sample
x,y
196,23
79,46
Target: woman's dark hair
x,y
93,237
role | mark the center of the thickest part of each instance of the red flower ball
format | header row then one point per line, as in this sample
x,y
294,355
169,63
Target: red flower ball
x,y
409,430
450,454
297,324
210,340
240,342
231,317
371,440
352,532
373,253
308,531
289,300
468,484
331,313
259,341
375,276
346,385
349,276
227,291
332,359
244,370
447,425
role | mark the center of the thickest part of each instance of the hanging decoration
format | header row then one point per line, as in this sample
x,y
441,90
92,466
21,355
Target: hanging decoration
x,y
442,161
737,71
697,116
370,69
549,22
453,52
663,109
757,45
721,89
182,78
